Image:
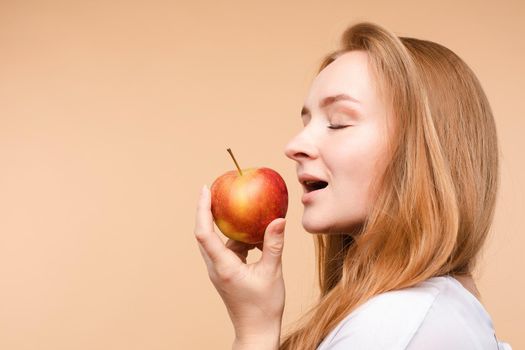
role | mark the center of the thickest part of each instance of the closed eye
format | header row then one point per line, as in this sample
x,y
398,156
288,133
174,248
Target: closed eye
x,y
334,127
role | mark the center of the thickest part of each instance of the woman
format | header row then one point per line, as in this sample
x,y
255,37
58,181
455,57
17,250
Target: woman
x,y
399,161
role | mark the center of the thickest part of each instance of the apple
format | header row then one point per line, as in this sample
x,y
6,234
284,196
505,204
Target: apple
x,y
244,202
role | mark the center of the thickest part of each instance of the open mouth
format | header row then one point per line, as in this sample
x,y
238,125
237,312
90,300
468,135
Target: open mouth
x,y
311,186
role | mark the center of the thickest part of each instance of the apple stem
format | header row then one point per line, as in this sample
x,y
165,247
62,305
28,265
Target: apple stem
x,y
237,165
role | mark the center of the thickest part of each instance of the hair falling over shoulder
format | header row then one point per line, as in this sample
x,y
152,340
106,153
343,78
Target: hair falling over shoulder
x,y
435,202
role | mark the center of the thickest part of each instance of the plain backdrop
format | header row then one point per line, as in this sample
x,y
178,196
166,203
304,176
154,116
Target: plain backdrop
x,y
113,114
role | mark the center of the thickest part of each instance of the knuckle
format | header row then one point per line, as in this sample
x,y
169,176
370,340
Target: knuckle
x,y
275,250
226,279
200,237
226,275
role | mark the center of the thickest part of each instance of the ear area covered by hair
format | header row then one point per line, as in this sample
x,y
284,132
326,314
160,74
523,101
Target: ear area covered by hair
x,y
435,205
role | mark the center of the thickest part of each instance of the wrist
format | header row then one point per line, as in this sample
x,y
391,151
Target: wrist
x,y
269,342
261,339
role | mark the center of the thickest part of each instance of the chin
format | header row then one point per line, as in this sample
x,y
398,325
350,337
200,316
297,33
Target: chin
x,y
320,227
317,227
312,227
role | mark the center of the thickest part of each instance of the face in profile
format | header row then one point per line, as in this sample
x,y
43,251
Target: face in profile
x,y
343,145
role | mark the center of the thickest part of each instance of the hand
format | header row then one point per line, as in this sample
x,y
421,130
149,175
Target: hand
x,y
254,294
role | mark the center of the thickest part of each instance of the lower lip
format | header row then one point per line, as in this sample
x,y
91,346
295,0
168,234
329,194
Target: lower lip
x,y
309,196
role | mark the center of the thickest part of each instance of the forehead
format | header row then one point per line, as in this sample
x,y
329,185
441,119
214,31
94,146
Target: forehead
x,y
349,73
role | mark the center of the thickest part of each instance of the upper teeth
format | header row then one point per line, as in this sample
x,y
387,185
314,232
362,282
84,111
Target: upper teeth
x,y
309,182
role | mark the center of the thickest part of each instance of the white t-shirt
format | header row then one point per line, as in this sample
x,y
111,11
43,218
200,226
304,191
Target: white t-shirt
x,y
436,314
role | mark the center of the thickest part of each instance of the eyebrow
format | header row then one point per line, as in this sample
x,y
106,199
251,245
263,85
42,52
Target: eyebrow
x,y
327,101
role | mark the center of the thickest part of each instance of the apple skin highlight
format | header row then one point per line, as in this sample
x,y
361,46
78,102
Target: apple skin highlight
x,y
244,205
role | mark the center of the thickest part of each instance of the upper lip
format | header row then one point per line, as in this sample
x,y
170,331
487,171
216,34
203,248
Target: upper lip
x,y
304,177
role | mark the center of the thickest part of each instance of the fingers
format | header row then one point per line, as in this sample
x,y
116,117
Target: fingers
x,y
204,219
207,260
213,248
273,244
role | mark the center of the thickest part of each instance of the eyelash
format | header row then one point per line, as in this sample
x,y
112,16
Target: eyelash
x,y
335,127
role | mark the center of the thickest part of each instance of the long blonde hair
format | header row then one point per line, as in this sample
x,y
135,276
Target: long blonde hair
x,y
435,201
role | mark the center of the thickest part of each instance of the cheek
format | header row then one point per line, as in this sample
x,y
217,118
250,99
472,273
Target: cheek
x,y
357,160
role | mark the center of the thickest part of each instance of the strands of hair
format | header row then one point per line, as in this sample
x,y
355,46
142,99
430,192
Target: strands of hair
x,y
435,201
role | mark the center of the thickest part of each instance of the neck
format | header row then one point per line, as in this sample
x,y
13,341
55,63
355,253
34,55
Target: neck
x,y
468,282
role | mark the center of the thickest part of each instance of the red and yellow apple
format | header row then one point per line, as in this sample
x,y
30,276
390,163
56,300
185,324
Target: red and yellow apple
x,y
244,202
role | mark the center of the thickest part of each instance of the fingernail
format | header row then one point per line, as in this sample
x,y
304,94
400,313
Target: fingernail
x,y
204,190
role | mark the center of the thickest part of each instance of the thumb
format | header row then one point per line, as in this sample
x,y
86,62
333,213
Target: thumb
x,y
273,243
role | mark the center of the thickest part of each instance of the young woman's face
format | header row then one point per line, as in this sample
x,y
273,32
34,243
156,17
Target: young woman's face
x,y
348,159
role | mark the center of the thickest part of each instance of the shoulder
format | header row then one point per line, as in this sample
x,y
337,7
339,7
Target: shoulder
x,y
390,320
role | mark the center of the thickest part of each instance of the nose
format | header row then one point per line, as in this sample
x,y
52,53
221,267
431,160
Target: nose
x,y
300,148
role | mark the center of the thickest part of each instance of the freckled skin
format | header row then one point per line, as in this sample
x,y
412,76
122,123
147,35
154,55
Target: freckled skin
x,y
243,206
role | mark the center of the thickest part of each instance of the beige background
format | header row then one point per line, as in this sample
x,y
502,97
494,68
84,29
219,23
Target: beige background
x,y
113,114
